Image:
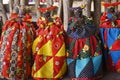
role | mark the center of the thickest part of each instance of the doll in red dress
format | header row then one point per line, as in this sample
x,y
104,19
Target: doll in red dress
x,y
16,47
49,47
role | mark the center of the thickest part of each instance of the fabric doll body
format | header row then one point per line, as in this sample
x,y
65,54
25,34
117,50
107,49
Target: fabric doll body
x,y
83,48
110,18
49,50
15,50
110,32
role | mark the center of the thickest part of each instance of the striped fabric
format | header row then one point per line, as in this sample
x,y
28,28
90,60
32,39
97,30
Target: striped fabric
x,y
15,49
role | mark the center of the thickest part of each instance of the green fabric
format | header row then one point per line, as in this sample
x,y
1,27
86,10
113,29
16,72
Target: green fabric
x,y
71,47
88,21
84,53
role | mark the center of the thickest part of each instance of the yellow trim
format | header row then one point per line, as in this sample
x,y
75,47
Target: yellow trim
x,y
50,23
43,18
36,41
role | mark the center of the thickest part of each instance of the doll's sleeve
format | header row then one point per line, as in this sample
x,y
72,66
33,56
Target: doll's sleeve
x,y
41,22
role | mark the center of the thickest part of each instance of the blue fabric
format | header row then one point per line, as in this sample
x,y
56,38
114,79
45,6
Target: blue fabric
x,y
105,54
71,68
69,61
110,16
112,35
97,60
80,65
81,31
115,56
88,71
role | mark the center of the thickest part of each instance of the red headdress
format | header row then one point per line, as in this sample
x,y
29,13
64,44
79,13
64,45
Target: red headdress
x,y
13,15
111,4
51,8
43,1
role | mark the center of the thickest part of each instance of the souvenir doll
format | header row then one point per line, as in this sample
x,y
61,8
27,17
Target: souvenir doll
x,y
16,47
110,34
84,56
49,47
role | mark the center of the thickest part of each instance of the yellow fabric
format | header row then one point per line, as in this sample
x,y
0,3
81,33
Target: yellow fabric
x,y
43,19
36,41
50,23
33,69
46,49
62,71
42,73
3,33
61,52
54,16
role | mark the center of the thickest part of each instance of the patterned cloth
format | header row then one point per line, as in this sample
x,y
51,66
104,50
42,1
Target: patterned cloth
x,y
49,50
114,21
15,49
84,57
110,34
111,41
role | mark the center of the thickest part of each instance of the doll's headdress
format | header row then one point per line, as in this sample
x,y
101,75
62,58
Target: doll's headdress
x,y
108,5
51,8
111,6
78,8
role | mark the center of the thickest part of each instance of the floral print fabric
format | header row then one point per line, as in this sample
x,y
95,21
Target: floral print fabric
x,y
84,55
15,49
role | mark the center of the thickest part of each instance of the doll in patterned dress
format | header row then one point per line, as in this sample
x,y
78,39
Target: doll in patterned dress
x,y
16,47
110,34
49,47
84,56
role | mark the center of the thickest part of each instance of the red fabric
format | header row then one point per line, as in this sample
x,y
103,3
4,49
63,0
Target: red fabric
x,y
79,44
93,44
57,44
13,15
110,64
42,0
49,31
118,23
51,8
111,4
58,64
106,24
7,55
103,17
42,9
4,70
116,45
40,62
117,67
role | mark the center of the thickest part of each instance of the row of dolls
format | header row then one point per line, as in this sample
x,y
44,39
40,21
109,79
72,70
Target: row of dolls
x,y
50,53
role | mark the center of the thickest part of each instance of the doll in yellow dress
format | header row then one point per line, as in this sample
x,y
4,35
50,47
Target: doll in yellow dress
x,y
49,47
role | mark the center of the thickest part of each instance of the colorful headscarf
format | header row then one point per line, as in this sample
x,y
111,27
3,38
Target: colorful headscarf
x,y
51,8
